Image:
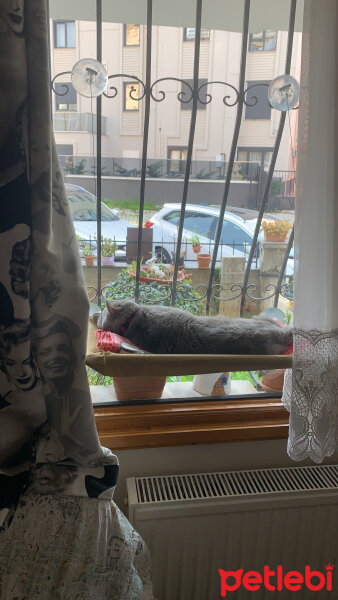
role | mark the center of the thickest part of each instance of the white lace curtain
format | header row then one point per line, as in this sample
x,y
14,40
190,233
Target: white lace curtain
x,y
311,389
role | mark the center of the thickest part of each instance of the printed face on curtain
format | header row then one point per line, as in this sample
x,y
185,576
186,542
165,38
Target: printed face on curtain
x,y
48,438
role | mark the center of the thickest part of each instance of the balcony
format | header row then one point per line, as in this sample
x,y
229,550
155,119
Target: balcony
x,y
75,121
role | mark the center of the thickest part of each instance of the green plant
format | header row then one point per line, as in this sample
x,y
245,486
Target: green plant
x,y
87,251
154,293
154,169
203,174
195,240
108,247
276,189
279,227
77,169
129,204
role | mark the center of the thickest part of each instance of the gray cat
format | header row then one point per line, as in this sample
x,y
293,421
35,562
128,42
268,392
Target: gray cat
x,y
164,330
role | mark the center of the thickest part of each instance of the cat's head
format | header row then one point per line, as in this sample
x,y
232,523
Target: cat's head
x,y
117,315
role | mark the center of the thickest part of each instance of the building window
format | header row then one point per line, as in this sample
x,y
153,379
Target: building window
x,y
177,158
131,93
64,34
131,35
264,41
64,101
189,34
261,108
202,94
250,159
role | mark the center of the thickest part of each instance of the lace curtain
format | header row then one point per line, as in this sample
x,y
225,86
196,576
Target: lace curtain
x,y
61,535
311,388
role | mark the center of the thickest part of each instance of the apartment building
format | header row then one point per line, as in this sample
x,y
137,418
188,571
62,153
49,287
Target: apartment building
x,y
124,54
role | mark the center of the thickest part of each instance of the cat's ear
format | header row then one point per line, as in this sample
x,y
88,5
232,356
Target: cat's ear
x,y
112,308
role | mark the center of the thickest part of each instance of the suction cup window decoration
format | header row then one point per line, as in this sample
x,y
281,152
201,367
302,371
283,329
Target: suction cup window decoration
x,y
89,78
283,93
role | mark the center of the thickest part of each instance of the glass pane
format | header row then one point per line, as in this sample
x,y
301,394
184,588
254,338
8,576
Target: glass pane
x,y
83,208
173,217
199,223
270,40
175,160
60,32
70,34
190,33
234,235
256,42
132,35
130,102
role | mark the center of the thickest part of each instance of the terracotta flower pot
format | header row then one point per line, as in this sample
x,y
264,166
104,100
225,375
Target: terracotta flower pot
x,y
274,237
139,388
203,261
273,381
89,260
197,249
107,260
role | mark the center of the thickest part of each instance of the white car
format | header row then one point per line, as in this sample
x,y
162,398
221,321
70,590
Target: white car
x,y
83,209
236,235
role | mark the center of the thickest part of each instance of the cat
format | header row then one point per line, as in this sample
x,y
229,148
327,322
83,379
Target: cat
x,y
164,330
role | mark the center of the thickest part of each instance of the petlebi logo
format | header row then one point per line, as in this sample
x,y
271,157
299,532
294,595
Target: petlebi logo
x,y
276,580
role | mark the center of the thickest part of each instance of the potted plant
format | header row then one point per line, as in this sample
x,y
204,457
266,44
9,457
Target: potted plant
x,y
196,245
88,256
108,249
203,260
275,231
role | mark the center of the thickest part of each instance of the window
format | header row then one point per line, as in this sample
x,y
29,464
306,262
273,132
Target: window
x,y
131,35
187,94
64,34
189,34
265,41
177,159
233,235
261,108
65,101
197,222
252,158
131,93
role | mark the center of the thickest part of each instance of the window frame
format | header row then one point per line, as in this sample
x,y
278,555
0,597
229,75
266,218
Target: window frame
x,y
182,161
125,109
262,149
125,44
63,22
263,38
204,37
62,99
160,424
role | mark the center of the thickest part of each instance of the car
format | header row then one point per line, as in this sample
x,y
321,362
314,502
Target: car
x,y
236,235
84,214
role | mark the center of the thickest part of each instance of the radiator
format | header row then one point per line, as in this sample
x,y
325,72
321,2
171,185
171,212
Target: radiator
x,y
196,524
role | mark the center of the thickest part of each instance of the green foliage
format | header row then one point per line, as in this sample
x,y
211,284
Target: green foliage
x,y
154,293
203,174
129,204
195,240
75,169
276,189
154,169
108,246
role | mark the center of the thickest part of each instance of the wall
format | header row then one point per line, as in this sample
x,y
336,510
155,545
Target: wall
x,y
159,191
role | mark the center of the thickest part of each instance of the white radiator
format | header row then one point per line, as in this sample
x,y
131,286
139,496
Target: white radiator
x,y
196,524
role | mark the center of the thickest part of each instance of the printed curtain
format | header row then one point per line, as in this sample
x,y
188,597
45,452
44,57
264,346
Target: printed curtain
x,y
66,538
311,388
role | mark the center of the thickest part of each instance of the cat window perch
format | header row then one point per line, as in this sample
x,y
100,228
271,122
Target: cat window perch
x,y
145,365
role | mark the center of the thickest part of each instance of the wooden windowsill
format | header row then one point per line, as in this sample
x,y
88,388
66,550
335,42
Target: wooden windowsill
x,y
175,424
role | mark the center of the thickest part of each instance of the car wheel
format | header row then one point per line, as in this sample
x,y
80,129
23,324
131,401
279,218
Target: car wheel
x,y
162,256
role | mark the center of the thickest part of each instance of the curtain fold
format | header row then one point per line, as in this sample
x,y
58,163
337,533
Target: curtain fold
x,y
66,538
311,388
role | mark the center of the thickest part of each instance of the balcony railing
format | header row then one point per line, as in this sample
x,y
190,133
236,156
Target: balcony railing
x,y
75,121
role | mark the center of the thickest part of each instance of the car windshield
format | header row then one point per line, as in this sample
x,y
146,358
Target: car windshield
x,y
83,207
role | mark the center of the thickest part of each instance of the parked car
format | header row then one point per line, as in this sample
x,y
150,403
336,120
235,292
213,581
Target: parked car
x,y
83,209
236,236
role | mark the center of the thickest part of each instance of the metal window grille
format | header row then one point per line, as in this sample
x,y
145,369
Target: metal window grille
x,y
196,94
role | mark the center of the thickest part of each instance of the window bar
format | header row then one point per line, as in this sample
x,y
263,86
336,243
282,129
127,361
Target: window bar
x,y
274,155
283,267
246,14
145,146
98,149
190,145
